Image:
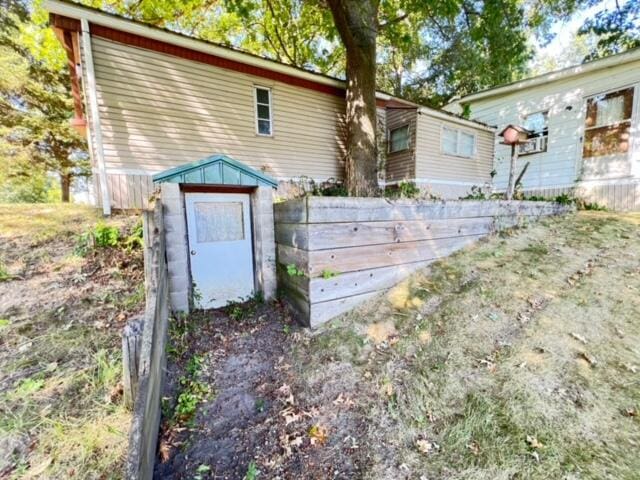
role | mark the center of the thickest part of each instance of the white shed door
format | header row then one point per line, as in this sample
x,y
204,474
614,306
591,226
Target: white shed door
x,y
221,253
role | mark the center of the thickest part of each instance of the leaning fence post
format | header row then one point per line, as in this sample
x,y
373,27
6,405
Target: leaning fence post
x,y
131,342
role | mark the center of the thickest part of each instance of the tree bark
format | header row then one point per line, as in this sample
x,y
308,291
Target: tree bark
x,y
356,22
65,187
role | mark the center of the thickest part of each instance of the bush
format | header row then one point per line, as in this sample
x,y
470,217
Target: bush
x,y
403,189
102,236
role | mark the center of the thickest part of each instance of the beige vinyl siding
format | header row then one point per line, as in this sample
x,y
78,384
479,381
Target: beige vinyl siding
x,y
433,164
401,165
158,111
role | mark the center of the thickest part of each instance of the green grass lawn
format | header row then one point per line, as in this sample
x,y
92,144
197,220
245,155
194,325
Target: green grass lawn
x,y
517,358
61,312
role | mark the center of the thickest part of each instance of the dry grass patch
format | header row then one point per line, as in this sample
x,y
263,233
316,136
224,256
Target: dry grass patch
x,y
61,412
517,358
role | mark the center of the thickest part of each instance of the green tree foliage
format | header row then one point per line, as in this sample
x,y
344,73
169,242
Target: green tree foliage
x,y
616,30
36,140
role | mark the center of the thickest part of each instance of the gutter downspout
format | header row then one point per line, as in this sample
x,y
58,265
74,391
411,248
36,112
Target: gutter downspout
x,y
94,117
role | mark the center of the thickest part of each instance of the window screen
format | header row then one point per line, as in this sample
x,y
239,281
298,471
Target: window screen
x,y
219,221
399,139
263,111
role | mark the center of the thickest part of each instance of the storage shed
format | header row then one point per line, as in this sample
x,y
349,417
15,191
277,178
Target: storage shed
x,y
218,216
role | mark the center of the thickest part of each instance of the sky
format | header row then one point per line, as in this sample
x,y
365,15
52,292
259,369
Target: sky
x,y
565,30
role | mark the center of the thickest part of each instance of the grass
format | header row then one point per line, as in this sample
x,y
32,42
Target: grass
x,y
514,359
60,358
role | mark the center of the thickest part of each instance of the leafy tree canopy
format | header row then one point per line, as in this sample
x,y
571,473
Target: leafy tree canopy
x,y
616,29
36,139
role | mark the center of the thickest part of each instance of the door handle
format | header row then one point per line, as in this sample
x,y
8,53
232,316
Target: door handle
x,y
193,252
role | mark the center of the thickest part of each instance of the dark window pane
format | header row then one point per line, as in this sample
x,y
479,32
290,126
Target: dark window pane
x,y
262,95
263,112
264,127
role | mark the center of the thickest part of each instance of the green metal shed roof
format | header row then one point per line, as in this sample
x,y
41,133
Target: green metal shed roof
x,y
216,170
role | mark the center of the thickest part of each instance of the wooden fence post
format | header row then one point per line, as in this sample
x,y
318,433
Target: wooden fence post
x,y
131,343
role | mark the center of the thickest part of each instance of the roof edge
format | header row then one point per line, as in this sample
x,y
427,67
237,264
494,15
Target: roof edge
x,y
192,166
554,76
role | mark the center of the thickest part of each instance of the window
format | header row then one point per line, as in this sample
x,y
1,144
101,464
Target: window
x,y
399,139
458,143
608,124
538,124
264,122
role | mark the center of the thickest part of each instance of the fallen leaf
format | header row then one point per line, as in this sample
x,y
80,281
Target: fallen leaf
x,y
165,451
631,412
426,447
533,442
589,359
343,400
474,447
580,338
318,434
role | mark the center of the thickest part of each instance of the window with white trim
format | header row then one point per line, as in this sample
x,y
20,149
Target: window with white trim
x,y
264,116
399,139
458,142
538,124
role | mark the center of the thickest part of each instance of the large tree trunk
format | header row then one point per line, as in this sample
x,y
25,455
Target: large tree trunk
x,y
65,187
356,22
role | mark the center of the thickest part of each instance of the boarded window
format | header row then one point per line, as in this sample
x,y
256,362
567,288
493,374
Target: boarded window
x,y
219,221
458,143
399,139
608,124
264,122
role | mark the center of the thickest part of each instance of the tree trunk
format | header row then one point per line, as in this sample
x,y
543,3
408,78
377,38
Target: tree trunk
x,y
356,22
65,187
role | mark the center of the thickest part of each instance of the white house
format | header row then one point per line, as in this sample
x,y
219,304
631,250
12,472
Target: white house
x,y
585,130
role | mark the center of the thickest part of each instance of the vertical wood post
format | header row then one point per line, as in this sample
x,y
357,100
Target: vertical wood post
x,y
512,172
131,344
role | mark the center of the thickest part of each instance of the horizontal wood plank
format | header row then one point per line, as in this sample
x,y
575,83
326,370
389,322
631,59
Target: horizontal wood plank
x,y
351,259
364,281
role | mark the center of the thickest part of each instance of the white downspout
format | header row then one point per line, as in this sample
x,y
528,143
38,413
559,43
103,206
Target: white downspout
x,y
94,113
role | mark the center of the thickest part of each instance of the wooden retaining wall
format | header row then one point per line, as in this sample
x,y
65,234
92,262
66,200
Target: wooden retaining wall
x,y
143,436
350,249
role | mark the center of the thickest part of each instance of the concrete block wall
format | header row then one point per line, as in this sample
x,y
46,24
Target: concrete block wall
x,y
177,246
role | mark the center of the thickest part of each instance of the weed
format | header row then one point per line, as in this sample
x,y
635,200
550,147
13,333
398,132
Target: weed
x,y
327,274
286,329
252,471
101,236
538,249
294,271
202,469
5,276
403,189
4,322
134,299
29,386
260,405
192,391
564,199
135,239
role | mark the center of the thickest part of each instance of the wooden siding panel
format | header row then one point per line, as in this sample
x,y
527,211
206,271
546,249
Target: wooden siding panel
x,y
401,165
